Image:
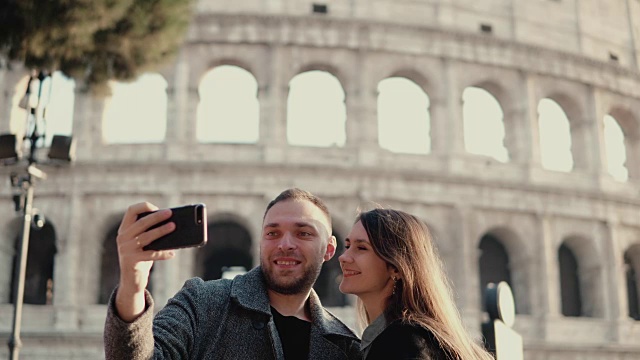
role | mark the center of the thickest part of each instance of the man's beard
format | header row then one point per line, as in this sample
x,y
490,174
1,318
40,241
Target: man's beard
x,y
298,286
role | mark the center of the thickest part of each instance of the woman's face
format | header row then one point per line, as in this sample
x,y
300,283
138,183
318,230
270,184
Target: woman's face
x,y
364,273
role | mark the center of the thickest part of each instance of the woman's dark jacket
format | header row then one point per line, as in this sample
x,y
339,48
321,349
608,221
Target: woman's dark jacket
x,y
400,341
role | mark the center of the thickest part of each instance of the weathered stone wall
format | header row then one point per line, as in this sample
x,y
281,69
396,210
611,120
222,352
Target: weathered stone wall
x,y
537,49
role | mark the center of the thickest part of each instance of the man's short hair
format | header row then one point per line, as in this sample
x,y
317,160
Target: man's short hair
x,y
299,194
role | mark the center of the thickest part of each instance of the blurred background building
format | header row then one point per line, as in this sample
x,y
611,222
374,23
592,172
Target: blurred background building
x,y
511,127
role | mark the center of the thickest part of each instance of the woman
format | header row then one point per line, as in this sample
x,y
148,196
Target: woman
x,y
404,297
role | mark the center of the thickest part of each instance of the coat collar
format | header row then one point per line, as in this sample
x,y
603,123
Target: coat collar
x,y
250,291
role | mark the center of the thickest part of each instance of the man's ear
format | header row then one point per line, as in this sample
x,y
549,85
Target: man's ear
x,y
332,244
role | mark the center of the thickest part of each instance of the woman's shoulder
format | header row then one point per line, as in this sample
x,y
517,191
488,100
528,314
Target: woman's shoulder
x,y
403,330
402,340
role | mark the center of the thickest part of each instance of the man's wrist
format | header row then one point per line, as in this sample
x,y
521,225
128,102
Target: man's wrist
x,y
130,305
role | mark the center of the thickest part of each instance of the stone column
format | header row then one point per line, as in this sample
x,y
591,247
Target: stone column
x,y
467,289
362,116
454,136
523,141
166,275
273,107
67,298
87,124
615,301
439,116
595,133
177,106
547,268
9,79
587,137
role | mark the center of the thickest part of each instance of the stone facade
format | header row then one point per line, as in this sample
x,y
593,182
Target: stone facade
x,y
581,53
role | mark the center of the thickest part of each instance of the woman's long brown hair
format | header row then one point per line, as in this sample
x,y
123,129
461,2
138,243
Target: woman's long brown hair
x,y
423,295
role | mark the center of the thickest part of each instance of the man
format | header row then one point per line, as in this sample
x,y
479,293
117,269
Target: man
x,y
271,312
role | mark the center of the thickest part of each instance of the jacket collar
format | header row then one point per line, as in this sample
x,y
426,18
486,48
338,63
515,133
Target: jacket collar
x,y
250,292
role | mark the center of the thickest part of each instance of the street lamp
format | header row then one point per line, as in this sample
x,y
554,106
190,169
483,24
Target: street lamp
x,y
62,148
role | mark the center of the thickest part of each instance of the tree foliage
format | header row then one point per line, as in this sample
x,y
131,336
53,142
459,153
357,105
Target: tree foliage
x,y
92,40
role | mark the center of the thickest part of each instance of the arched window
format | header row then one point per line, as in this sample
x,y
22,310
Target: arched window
x,y
229,245
555,137
483,124
38,285
137,111
316,112
110,267
570,291
494,264
229,111
59,115
631,266
329,279
403,117
58,98
616,152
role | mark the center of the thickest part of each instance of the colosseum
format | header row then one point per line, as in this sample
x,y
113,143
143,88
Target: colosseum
x,y
564,234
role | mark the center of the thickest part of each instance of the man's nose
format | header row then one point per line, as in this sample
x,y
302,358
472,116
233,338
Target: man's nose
x,y
287,242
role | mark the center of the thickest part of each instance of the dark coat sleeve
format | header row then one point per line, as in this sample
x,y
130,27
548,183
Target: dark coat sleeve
x,y
406,342
170,336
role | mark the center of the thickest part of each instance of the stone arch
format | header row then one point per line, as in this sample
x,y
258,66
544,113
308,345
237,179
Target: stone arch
x,y
140,107
109,262
404,121
630,125
231,100
333,69
581,278
38,285
578,128
632,277
229,244
241,63
556,137
7,254
307,112
413,75
476,118
503,257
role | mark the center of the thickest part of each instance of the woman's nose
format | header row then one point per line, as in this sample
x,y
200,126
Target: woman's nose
x,y
344,257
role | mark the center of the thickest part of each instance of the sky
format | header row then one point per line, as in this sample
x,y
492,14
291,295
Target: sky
x,y
316,116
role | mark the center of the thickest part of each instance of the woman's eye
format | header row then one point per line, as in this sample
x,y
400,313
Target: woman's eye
x,y
362,248
346,247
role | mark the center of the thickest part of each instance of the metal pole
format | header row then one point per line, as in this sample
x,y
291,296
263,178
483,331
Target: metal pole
x,y
19,277
26,184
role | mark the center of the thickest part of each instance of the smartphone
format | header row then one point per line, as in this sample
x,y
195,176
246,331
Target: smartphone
x,y
190,231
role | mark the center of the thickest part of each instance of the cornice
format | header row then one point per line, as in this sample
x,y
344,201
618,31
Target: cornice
x,y
417,40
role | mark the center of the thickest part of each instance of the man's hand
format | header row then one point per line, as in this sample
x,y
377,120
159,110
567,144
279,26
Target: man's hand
x,y
135,263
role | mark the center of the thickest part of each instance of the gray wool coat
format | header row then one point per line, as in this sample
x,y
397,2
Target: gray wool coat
x,y
221,319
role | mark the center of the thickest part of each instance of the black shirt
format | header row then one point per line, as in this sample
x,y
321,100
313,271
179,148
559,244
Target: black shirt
x,y
294,335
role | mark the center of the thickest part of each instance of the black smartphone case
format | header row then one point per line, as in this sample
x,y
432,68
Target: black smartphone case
x,y
190,231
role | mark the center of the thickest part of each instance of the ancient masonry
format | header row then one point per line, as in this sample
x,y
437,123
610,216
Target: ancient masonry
x,y
583,54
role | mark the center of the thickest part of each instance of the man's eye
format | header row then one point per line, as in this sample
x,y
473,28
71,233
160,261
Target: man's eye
x,y
305,233
271,233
